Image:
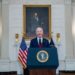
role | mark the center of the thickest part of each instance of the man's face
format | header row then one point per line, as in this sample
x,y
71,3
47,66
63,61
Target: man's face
x,y
39,32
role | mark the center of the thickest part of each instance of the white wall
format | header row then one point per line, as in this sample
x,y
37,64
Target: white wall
x,y
68,31
73,24
13,23
16,25
0,25
5,31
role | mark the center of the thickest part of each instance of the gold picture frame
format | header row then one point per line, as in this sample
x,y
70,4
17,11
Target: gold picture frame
x,y
32,11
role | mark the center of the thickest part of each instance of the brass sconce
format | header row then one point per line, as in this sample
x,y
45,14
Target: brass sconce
x,y
58,38
17,38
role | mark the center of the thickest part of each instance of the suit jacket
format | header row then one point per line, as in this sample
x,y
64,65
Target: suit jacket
x,y
34,43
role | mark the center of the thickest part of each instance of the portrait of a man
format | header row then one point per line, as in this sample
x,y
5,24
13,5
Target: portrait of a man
x,y
35,22
37,16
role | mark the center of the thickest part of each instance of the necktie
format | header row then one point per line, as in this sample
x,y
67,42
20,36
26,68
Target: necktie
x,y
39,41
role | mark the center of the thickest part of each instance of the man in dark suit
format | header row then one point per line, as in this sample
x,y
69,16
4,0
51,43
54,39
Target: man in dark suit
x,y
39,41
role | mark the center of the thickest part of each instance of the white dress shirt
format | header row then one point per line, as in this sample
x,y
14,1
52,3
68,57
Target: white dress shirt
x,y
38,40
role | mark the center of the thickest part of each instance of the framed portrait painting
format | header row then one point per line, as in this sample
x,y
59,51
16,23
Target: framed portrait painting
x,y
36,16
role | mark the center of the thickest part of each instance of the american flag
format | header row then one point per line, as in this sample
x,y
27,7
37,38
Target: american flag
x,y
22,55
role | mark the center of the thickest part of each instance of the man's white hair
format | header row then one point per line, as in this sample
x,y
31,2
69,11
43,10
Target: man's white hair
x,y
39,28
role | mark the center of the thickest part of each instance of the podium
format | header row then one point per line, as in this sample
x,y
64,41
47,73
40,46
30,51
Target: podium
x,y
42,61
